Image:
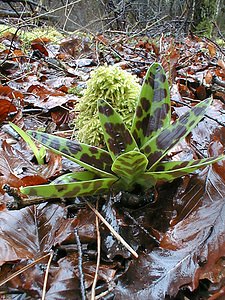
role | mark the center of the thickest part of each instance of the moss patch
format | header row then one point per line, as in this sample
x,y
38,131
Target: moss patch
x,y
28,35
119,88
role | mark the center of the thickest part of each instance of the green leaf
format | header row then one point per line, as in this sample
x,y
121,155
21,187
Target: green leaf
x,y
39,154
91,158
70,190
117,137
153,109
128,167
186,166
160,144
168,171
76,176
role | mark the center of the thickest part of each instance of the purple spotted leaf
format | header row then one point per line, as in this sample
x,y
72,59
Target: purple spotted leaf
x,y
91,158
70,190
117,136
72,177
126,165
153,109
168,171
157,147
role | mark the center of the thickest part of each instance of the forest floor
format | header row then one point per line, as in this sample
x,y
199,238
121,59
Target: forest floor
x,y
50,250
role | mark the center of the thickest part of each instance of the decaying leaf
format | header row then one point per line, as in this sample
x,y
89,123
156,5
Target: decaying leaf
x,y
32,231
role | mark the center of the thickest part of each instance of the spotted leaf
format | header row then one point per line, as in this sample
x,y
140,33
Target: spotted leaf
x,y
69,190
153,108
76,176
117,136
156,148
169,171
186,166
128,167
91,158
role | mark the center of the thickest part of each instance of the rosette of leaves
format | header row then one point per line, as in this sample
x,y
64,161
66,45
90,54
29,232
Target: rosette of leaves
x,y
119,88
134,160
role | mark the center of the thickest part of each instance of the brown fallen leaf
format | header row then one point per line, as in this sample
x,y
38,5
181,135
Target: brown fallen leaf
x,y
6,107
30,232
16,170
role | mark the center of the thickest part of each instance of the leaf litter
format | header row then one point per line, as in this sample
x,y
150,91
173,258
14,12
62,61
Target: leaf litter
x,y
178,230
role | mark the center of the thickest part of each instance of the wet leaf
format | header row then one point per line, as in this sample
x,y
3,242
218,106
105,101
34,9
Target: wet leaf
x,y
188,252
9,92
16,170
6,107
201,92
46,97
29,232
212,49
40,47
66,283
74,46
221,63
53,166
110,244
86,225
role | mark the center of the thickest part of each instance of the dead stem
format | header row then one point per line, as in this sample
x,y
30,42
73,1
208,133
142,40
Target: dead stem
x,y
23,269
116,235
80,262
46,275
98,256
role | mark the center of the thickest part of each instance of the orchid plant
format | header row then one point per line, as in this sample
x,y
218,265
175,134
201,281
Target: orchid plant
x,y
135,158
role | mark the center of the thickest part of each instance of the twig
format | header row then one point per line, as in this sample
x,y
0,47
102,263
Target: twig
x,y
149,26
100,296
141,227
46,275
54,10
80,261
116,235
8,13
43,15
218,30
98,256
23,269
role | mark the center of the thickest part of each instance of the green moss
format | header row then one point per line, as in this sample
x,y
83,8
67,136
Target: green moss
x,y
204,28
27,35
203,17
220,42
76,90
117,87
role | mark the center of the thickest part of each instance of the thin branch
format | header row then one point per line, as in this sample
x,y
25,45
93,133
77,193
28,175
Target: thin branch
x,y
46,275
142,228
98,256
80,262
149,26
116,235
23,269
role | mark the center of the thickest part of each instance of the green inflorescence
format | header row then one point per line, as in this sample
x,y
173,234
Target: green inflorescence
x,y
119,88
